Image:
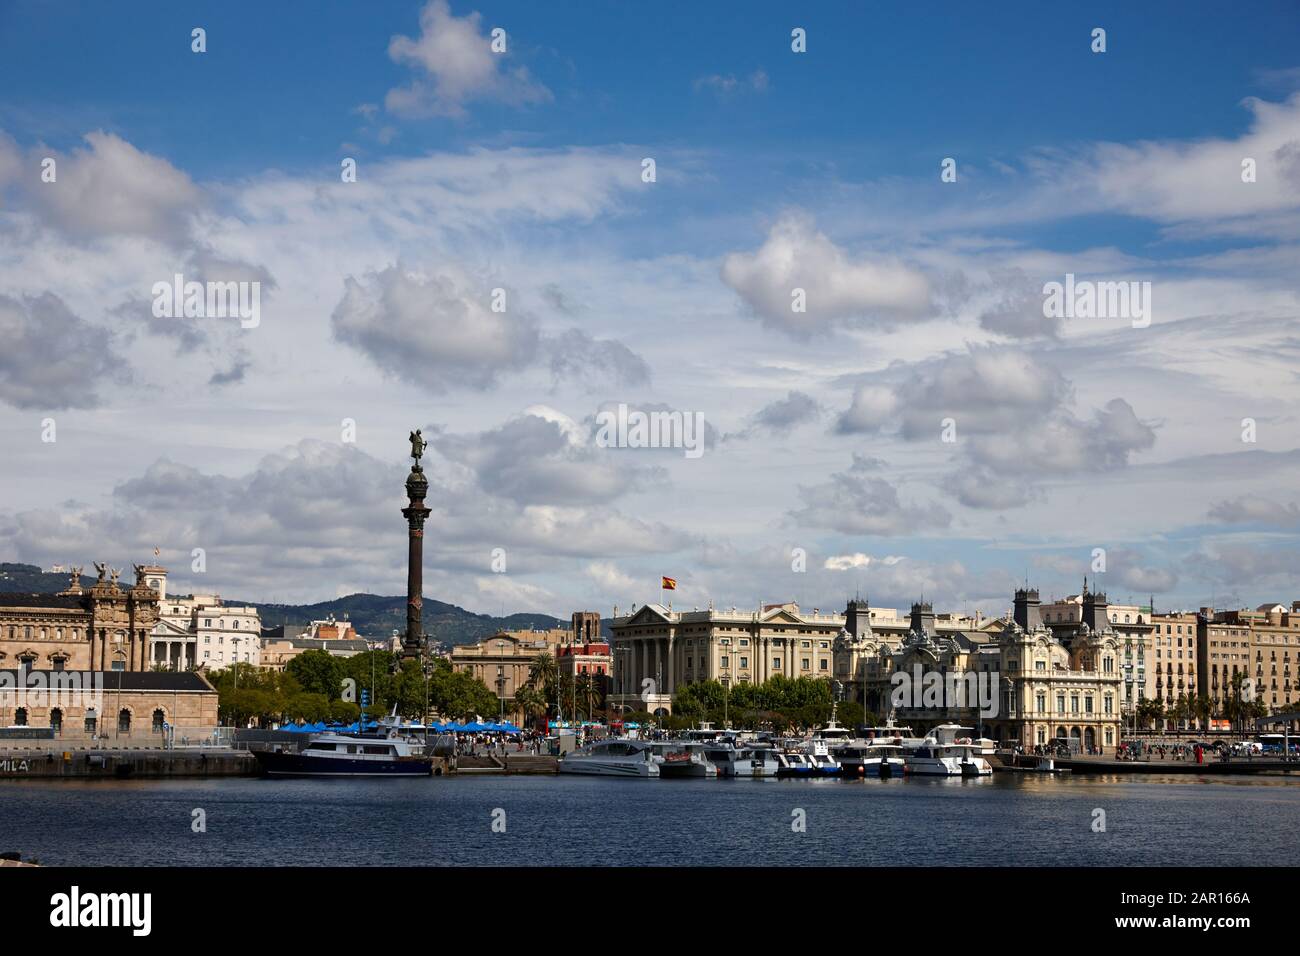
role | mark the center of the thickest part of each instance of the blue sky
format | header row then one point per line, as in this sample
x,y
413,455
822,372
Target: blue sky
x,y
522,171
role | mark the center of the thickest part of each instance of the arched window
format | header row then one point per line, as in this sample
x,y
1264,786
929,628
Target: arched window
x,y
158,720
56,720
20,717
123,721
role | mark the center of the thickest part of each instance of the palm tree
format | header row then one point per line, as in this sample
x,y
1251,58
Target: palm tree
x,y
543,677
529,702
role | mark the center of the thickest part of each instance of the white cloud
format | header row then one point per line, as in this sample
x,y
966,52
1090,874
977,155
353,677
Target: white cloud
x,y
846,562
112,188
838,287
433,330
456,65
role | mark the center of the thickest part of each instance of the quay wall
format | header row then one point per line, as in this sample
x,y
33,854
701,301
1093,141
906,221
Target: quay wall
x,y
125,764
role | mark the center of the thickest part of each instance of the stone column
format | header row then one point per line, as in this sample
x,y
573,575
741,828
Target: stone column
x,y
669,677
417,486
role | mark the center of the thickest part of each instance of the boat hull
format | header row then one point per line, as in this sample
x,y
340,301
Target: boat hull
x,y
283,764
609,768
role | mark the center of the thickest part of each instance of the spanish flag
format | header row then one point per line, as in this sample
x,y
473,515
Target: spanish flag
x,y
669,584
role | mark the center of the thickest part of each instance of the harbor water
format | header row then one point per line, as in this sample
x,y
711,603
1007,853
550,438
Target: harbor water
x,y
1008,819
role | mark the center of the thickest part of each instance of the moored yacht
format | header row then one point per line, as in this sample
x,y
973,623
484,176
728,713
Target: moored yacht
x,y
867,758
383,752
681,758
619,757
738,760
810,758
945,754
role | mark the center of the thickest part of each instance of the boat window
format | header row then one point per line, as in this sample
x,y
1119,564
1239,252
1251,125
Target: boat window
x,y
319,746
376,749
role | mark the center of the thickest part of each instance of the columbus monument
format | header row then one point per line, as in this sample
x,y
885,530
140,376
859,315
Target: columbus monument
x,y
417,486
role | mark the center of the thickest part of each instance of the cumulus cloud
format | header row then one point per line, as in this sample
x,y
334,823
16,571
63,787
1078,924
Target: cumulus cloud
x,y
873,407
112,188
455,64
838,287
592,363
432,330
544,457
854,502
51,358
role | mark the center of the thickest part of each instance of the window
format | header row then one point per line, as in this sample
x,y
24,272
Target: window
x,y
776,662
744,662
90,724
20,717
824,663
124,721
1060,703
56,720
805,664
158,720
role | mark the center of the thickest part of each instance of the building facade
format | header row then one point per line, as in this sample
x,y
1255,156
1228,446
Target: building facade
x,y
101,627
198,630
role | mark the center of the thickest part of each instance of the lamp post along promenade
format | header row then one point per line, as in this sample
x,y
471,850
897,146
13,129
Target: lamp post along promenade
x,y
417,486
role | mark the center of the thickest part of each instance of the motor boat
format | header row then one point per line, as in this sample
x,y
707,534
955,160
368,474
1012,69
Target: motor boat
x,y
737,760
681,758
943,753
810,758
869,758
383,752
619,757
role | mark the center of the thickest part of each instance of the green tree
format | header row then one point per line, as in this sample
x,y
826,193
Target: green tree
x,y
318,671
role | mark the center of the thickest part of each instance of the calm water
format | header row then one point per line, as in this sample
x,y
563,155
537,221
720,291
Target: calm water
x,y
1004,820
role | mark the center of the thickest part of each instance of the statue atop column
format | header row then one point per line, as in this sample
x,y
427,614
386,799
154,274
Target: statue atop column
x,y
418,445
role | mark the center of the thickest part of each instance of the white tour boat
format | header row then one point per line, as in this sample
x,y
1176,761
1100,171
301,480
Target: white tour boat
x,y
620,757
944,753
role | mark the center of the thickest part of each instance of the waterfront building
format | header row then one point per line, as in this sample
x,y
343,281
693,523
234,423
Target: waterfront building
x,y
1223,646
672,648
199,630
1132,627
586,653
101,627
88,708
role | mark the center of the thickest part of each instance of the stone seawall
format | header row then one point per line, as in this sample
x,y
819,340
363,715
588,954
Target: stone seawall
x,y
126,764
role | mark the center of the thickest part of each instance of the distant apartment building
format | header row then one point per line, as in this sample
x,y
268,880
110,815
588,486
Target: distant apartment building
x,y
1174,659
198,630
284,642
1262,646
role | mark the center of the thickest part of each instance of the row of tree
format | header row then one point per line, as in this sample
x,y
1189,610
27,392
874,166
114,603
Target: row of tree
x,y
316,686
779,703
1200,709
